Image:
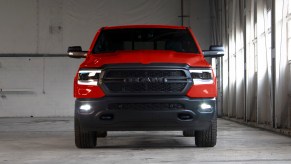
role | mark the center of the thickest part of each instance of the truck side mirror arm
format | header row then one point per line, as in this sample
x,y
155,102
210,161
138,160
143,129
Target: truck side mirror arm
x,y
214,51
76,52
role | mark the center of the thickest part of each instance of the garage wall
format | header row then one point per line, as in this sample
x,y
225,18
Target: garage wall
x,y
50,26
200,21
18,26
256,65
37,86
35,76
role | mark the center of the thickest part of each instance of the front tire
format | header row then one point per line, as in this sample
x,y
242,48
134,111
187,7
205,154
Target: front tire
x,y
189,133
101,134
84,139
207,138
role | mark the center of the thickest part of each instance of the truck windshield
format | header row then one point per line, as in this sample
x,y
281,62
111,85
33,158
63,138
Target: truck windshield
x,y
179,40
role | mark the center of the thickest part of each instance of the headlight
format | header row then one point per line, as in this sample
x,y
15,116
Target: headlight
x,y
88,77
201,76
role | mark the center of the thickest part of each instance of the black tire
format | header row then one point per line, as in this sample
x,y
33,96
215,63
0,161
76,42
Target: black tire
x,y
84,139
101,134
208,137
189,133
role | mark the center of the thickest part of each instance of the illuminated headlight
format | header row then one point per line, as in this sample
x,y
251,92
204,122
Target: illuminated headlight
x,y
85,107
88,77
205,108
201,76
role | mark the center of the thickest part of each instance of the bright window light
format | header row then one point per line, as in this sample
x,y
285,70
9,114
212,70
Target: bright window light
x,y
289,38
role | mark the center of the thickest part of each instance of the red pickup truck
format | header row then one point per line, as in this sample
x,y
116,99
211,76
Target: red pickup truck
x,y
145,77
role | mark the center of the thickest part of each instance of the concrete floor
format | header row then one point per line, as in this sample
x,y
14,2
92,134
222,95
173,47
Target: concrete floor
x,y
51,141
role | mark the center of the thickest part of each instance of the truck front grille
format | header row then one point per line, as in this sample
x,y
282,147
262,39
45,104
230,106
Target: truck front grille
x,y
145,106
145,81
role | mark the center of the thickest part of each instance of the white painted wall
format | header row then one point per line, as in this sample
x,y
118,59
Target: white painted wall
x,y
50,26
38,86
200,21
18,27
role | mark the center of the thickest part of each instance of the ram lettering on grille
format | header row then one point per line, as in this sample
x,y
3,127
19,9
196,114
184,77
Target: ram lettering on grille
x,y
145,81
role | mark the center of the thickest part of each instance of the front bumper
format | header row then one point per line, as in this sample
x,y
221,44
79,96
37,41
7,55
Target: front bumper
x,y
98,115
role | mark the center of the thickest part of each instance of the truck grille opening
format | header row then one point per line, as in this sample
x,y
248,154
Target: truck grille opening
x,y
145,81
145,106
144,73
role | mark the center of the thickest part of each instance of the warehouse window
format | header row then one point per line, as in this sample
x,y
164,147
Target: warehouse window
x,y
289,40
269,31
289,31
283,29
255,41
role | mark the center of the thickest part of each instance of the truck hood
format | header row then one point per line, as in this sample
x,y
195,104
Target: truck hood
x,y
144,57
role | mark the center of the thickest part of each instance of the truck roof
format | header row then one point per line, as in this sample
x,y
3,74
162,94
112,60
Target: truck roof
x,y
145,26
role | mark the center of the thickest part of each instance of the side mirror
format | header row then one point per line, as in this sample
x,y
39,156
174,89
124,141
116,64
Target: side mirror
x,y
76,52
214,51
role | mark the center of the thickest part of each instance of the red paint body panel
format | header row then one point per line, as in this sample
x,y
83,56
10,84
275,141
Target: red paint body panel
x,y
145,26
86,91
144,57
203,91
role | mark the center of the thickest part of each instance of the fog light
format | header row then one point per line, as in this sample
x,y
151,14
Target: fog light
x,y
205,108
85,107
